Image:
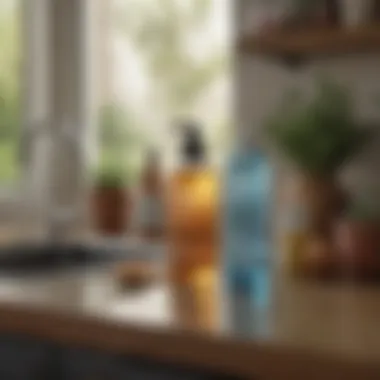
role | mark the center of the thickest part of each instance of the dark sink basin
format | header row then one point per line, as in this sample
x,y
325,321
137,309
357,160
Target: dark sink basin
x,y
29,259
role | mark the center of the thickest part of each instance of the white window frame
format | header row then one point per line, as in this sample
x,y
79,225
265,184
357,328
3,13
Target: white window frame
x,y
42,73
12,196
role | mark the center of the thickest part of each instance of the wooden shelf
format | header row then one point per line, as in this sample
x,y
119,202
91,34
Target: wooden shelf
x,y
307,44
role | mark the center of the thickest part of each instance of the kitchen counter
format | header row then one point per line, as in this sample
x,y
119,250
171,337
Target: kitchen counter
x,y
307,331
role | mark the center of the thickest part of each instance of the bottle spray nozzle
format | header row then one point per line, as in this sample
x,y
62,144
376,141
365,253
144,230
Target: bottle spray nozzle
x,y
192,145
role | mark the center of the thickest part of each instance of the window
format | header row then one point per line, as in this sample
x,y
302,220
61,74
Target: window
x,y
156,62
160,62
10,90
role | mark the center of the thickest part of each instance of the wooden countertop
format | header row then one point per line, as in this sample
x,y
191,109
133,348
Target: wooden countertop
x,y
307,331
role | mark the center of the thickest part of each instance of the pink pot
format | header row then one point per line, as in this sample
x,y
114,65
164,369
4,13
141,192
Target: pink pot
x,y
358,246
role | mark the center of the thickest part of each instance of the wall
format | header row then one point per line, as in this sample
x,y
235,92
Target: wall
x,y
260,84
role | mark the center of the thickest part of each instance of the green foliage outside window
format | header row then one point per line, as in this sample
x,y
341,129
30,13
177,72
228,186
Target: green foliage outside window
x,y
160,31
10,104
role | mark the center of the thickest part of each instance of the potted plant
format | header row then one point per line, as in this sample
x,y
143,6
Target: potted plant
x,y
357,240
120,140
318,135
111,201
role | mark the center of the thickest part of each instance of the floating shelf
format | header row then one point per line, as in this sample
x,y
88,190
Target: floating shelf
x,y
307,44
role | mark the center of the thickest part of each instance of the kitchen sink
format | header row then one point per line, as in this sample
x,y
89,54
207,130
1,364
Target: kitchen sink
x,y
37,258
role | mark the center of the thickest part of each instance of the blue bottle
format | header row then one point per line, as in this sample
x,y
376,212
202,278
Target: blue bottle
x,y
247,228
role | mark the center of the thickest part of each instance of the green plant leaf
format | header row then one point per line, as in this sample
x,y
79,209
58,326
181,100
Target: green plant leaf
x,y
319,134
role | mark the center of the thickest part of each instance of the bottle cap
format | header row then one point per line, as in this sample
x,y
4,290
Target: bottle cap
x,y
192,146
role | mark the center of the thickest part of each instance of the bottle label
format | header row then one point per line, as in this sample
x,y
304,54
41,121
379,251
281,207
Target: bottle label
x,y
248,212
151,212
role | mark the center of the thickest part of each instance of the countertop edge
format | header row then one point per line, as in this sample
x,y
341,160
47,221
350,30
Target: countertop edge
x,y
174,346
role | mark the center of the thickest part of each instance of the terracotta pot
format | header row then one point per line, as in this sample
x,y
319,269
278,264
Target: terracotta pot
x,y
111,210
319,259
358,247
323,200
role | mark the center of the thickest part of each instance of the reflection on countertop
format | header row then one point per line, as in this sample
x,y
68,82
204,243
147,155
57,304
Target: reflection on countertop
x,y
330,318
335,321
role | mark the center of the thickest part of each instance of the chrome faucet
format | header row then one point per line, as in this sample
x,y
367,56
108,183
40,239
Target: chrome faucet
x,y
61,218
